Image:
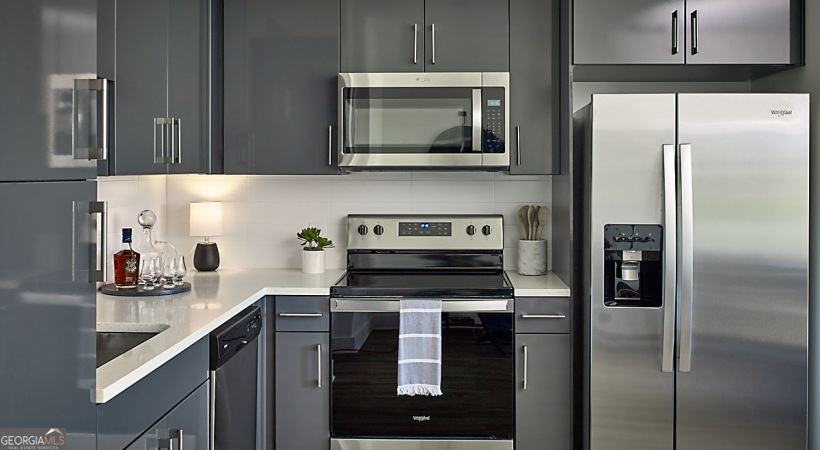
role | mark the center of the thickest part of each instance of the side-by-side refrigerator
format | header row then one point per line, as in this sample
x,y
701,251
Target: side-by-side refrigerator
x,y
51,132
696,220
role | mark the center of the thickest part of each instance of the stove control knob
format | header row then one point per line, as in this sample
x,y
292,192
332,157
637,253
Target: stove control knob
x,y
379,230
486,230
362,229
470,230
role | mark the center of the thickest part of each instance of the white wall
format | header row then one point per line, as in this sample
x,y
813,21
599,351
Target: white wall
x,y
262,214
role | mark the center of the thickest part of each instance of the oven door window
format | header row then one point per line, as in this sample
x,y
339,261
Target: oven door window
x,y
409,120
477,379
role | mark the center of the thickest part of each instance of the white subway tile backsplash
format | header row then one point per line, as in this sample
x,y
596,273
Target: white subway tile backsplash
x,y
262,214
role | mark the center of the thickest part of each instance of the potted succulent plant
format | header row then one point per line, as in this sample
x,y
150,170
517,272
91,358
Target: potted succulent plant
x,y
313,253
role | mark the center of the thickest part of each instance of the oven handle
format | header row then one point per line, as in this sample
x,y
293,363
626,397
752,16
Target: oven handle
x,y
375,305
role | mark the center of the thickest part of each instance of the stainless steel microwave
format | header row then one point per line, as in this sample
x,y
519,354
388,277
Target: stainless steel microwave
x,y
424,121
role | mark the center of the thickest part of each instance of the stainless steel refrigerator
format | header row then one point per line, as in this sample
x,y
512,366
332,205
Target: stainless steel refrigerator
x,y
695,270
49,220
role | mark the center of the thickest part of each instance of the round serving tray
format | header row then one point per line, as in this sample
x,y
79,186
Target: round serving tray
x,y
139,291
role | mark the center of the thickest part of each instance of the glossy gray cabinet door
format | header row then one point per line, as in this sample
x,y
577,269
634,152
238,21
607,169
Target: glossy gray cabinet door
x,y
534,26
46,377
543,409
161,71
629,31
467,36
281,71
302,391
383,36
190,417
739,32
44,46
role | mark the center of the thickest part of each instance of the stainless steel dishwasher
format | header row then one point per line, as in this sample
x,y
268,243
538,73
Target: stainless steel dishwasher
x,y
234,365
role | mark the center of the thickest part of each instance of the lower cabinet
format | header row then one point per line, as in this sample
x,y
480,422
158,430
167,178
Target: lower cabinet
x,y
543,411
185,426
164,409
302,373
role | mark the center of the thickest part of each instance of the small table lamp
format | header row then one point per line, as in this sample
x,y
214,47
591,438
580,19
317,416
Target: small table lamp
x,y
206,220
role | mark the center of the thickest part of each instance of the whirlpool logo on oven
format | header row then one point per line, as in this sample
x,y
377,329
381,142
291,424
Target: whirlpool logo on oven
x,y
781,112
421,418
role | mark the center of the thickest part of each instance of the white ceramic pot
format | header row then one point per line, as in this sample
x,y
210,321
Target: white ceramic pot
x,y
532,257
313,261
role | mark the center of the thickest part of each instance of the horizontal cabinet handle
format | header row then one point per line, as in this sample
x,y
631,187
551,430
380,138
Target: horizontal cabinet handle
x,y
301,314
543,316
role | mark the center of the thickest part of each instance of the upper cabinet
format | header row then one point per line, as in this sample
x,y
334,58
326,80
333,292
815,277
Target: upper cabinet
x,y
534,87
281,65
709,32
162,74
431,36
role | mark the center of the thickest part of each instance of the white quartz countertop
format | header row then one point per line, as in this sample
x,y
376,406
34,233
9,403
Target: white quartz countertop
x,y
215,297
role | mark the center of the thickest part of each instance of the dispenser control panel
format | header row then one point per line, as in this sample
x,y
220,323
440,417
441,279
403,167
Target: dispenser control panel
x,y
633,237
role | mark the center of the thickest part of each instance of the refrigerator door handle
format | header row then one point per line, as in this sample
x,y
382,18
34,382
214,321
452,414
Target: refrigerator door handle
x,y
670,256
687,259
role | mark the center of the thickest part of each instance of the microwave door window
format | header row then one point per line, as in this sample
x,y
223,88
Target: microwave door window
x,y
408,120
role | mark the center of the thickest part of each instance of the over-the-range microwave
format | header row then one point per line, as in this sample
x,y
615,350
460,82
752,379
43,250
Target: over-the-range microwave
x,y
424,121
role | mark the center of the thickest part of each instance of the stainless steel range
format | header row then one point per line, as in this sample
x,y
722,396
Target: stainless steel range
x,y
459,260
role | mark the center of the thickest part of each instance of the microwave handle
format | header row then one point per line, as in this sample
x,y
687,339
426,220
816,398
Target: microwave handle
x,y
476,120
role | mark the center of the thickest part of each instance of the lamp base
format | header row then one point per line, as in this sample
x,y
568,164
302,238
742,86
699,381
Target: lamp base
x,y
206,256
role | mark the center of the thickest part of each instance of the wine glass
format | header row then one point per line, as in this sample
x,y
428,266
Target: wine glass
x,y
150,271
169,268
181,271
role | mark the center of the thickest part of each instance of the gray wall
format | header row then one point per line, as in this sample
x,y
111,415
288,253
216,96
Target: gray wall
x,y
807,79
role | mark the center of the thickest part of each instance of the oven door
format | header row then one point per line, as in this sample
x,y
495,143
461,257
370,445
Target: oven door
x,y
477,374
425,120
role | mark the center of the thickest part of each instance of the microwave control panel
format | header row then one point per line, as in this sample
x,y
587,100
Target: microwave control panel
x,y
493,119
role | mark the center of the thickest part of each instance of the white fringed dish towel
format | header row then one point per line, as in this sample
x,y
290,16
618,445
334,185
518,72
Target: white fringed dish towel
x,y
419,347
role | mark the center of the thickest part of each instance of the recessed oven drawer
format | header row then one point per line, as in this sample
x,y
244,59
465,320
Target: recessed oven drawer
x,y
542,315
302,314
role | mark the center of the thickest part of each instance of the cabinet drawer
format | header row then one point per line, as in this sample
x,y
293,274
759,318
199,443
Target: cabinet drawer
x,y
302,313
542,315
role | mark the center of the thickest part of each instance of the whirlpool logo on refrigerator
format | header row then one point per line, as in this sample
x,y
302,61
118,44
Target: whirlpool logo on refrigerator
x,y
421,418
781,112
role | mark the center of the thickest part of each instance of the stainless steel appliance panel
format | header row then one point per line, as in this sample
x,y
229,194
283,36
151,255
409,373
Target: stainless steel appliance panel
x,y
743,339
628,32
630,395
412,444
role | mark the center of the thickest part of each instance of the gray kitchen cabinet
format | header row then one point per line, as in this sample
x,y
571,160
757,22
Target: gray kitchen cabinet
x,y
281,64
187,422
534,38
419,35
153,403
161,68
543,403
543,374
686,32
302,374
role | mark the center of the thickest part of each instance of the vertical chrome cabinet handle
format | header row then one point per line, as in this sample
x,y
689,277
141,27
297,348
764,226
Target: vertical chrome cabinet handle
x,y
695,32
686,259
526,366
433,33
330,145
176,153
415,43
319,361
476,120
98,151
670,201
517,145
675,32
97,273
212,427
176,433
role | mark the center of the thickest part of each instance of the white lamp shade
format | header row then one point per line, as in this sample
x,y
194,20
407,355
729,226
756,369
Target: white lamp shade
x,y
206,219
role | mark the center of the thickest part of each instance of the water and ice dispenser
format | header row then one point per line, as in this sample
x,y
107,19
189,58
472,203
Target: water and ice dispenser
x,y
633,266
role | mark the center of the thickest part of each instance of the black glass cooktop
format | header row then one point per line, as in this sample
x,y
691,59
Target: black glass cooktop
x,y
438,284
